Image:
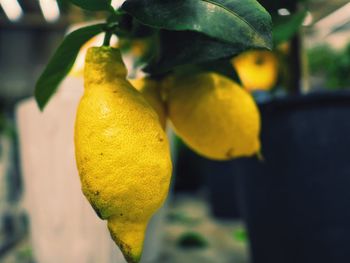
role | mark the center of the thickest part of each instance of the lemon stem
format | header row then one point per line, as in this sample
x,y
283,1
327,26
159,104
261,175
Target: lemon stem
x,y
107,39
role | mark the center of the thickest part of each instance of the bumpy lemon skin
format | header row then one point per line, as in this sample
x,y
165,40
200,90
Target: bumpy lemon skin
x,y
214,116
152,91
257,69
122,152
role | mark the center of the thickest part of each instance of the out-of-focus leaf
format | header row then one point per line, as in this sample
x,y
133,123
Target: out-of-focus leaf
x,y
287,26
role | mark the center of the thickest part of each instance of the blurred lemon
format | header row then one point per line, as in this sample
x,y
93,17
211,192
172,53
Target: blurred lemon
x,y
257,69
214,116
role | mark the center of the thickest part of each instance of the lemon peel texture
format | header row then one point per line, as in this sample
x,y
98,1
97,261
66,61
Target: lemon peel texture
x,y
122,152
152,91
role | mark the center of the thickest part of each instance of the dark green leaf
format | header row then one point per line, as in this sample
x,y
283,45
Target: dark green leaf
x,y
187,47
245,23
61,62
286,27
94,5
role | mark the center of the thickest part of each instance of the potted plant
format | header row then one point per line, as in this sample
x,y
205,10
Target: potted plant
x,y
182,38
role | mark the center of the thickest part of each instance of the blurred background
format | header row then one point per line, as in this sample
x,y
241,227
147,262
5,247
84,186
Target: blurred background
x,y
291,207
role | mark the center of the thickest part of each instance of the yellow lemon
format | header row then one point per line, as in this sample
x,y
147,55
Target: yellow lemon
x,y
214,116
257,69
122,152
151,90
78,67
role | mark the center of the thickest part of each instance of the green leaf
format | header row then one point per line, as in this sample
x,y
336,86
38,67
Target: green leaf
x,y
286,27
94,5
61,62
179,48
245,23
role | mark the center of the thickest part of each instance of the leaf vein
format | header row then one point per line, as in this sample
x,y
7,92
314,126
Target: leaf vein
x,y
233,12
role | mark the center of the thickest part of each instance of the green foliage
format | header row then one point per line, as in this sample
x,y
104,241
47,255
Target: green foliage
x,y
186,32
286,27
61,62
338,75
320,58
247,23
193,32
333,65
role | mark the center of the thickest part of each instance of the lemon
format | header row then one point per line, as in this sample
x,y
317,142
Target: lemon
x,y
122,152
257,69
78,67
151,90
214,116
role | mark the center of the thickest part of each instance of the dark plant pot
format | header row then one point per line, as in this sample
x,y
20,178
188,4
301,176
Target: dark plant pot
x,y
221,185
188,170
192,172
297,202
